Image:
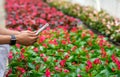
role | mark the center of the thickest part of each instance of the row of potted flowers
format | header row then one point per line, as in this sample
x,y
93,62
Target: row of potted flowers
x,y
99,21
59,53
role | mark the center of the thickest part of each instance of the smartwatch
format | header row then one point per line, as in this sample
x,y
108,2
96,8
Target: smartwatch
x,y
13,40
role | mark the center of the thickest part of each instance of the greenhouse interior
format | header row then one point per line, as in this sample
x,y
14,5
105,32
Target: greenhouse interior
x,y
60,38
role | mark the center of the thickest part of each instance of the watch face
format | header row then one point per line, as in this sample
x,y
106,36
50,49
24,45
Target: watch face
x,y
13,40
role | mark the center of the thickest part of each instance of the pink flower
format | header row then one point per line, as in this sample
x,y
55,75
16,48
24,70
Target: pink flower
x,y
67,56
79,75
10,55
54,41
45,59
103,52
57,68
116,61
66,71
89,64
22,70
74,48
18,45
22,56
22,50
43,16
42,21
97,61
18,28
91,33
101,42
45,45
36,50
41,55
101,37
74,29
42,38
47,73
62,63
64,42
9,72
29,28
83,35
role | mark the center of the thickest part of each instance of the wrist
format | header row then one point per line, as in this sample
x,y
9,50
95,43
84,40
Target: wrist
x,y
17,39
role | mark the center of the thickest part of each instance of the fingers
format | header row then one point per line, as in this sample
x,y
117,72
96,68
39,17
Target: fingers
x,y
34,39
31,32
33,35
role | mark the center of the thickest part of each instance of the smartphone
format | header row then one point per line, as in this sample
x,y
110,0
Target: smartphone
x,y
41,29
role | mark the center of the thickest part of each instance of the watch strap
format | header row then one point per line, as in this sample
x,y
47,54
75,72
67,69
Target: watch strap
x,y
13,40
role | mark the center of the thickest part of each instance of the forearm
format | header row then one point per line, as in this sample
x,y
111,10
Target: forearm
x,y
4,31
5,39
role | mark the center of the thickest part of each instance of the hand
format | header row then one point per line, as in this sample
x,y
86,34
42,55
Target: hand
x,y
26,38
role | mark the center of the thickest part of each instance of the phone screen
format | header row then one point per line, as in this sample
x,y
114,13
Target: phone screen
x,y
41,29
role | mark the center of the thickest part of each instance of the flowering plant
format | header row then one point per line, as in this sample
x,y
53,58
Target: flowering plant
x,y
99,21
78,53
32,14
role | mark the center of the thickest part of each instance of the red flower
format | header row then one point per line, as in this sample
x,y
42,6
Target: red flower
x,y
22,70
74,29
83,35
113,69
79,75
42,21
53,42
10,55
101,42
18,45
9,72
100,36
103,53
67,56
47,73
41,55
37,67
116,61
18,28
45,45
45,59
74,48
55,60
90,43
22,56
36,50
58,69
29,28
43,16
64,42
91,33
89,65
22,50
97,61
62,63
66,71
42,38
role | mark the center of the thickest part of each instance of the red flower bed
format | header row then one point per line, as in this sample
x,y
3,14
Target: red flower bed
x,y
32,14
